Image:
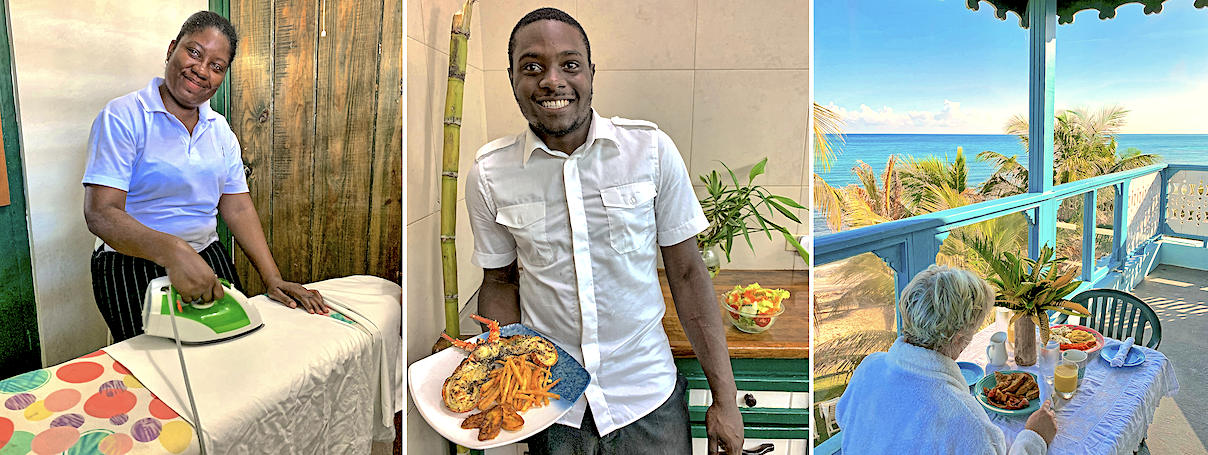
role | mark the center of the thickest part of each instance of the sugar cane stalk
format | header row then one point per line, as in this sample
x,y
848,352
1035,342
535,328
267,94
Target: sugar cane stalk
x,y
458,45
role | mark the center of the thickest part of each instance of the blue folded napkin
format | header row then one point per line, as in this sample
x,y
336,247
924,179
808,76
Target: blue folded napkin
x,y
1122,355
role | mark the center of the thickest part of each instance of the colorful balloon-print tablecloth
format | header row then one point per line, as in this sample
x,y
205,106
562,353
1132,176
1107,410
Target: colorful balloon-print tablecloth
x,y
90,405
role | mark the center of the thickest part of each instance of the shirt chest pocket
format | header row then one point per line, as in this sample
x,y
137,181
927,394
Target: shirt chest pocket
x,y
526,222
630,210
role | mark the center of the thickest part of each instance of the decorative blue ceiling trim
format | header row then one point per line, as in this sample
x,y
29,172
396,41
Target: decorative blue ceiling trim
x,y
1066,9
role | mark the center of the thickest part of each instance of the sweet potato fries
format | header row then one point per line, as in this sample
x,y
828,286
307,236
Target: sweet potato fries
x,y
515,386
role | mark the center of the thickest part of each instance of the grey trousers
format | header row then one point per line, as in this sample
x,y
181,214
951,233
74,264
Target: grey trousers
x,y
664,431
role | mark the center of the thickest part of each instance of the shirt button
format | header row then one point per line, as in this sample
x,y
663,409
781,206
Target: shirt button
x,y
633,200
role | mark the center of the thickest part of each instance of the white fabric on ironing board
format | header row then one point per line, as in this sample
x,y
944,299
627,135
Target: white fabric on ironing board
x,y
302,384
373,301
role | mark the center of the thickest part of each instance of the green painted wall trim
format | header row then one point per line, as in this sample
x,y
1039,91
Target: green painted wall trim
x,y
786,375
767,416
20,346
761,432
221,103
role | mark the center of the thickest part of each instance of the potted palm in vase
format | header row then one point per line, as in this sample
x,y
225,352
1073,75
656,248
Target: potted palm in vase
x,y
737,211
1030,288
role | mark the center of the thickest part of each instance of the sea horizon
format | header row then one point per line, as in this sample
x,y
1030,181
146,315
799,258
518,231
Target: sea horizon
x,y
875,148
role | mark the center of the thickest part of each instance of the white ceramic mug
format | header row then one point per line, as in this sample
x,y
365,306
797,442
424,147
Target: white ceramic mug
x,y
996,351
1078,357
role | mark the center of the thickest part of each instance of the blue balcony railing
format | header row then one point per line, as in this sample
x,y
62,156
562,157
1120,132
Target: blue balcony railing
x,y
1160,216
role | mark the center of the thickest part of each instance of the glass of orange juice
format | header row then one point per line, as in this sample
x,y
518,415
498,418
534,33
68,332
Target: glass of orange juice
x,y
1065,379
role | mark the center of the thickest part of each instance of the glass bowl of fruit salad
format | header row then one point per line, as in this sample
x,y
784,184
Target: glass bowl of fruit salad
x,y
752,308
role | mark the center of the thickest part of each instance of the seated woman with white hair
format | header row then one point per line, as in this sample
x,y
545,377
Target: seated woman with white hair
x,y
913,399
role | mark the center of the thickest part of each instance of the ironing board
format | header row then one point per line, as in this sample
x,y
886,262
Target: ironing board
x,y
91,404
303,384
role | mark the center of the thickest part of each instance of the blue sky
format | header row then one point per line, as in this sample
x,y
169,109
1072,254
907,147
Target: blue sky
x,y
935,66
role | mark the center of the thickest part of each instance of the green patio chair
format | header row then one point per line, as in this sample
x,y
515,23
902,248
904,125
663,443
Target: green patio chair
x,y
1118,314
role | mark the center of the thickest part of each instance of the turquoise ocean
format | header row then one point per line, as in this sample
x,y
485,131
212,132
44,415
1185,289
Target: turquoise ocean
x,y
875,149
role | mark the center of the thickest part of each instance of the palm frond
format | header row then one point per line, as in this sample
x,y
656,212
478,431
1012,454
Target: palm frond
x,y
828,127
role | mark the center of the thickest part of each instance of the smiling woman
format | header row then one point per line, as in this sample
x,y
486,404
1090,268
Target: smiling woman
x,y
197,63
161,166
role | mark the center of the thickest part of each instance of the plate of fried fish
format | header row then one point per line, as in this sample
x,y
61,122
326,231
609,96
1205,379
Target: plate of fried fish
x,y
1010,393
496,389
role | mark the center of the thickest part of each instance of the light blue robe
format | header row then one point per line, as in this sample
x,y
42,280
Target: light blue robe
x,y
913,400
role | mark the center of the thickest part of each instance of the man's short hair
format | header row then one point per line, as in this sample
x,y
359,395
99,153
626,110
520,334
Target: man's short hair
x,y
542,14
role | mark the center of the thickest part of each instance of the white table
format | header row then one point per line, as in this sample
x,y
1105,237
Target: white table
x,y
1112,409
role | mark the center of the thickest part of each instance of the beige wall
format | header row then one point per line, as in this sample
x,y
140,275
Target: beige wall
x,y
72,57
428,25
727,81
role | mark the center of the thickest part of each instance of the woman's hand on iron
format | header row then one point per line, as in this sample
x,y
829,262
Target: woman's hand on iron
x,y
294,295
193,279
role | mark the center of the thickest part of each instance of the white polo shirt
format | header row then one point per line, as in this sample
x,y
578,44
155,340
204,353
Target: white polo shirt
x,y
584,228
172,179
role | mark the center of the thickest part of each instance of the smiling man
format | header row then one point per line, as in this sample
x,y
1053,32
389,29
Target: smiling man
x,y
568,218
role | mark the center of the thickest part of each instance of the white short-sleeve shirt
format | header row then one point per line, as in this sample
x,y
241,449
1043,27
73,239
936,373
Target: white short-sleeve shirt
x,y
173,180
586,228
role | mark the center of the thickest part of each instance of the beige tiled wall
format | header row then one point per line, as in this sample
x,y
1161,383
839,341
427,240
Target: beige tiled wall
x,y
726,80
428,24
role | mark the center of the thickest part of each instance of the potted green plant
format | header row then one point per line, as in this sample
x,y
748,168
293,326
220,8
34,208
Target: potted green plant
x,y
1031,288
737,211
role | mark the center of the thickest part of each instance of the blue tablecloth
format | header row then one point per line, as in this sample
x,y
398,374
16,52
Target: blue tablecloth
x,y
1112,409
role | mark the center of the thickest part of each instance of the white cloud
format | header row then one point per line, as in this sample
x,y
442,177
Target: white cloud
x,y
950,119
1177,113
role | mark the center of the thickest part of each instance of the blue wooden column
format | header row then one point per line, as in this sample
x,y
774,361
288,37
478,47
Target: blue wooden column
x,y
1042,29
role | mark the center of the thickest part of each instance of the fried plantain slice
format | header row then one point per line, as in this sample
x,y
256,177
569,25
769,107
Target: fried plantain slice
x,y
473,421
512,420
491,424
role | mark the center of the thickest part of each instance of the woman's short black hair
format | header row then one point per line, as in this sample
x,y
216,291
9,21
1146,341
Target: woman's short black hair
x,y
202,20
541,14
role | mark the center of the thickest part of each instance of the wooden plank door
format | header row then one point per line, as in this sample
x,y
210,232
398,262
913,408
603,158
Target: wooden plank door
x,y
315,91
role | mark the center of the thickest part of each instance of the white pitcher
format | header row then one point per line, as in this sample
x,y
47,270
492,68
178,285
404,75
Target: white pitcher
x,y
996,351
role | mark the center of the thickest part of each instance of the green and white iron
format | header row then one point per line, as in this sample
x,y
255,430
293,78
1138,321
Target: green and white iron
x,y
223,319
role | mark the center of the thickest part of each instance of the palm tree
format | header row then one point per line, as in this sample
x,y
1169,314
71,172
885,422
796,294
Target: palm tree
x,y
1084,146
828,126
861,282
929,180
874,201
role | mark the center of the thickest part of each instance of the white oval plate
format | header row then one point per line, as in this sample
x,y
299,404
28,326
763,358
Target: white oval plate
x,y
427,376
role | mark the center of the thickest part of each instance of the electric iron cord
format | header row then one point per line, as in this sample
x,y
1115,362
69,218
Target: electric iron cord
x,y
201,441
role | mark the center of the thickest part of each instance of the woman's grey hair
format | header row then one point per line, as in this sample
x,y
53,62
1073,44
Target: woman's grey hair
x,y
940,302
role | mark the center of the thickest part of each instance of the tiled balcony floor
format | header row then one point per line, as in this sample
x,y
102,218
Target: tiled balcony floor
x,y
1180,297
